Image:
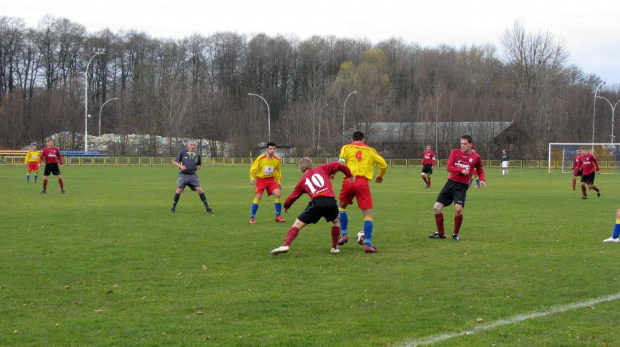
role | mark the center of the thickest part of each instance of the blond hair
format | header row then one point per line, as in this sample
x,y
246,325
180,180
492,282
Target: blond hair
x,y
305,164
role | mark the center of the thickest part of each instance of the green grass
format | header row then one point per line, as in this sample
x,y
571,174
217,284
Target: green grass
x,y
107,265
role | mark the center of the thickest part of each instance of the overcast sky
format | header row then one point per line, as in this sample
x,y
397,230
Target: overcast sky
x,y
590,31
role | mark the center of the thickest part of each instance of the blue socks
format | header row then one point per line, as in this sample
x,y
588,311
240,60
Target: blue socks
x,y
344,222
368,226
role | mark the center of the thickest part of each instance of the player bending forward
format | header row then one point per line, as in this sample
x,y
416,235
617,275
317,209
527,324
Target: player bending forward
x,y
316,183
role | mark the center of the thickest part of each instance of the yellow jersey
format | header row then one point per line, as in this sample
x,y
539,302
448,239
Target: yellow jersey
x,y
263,167
361,160
32,156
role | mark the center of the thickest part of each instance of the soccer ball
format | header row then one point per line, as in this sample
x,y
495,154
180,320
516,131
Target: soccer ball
x,y
361,237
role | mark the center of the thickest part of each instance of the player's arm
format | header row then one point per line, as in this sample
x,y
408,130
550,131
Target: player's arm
x,y
481,174
277,173
297,192
434,160
450,167
253,170
59,158
342,156
381,165
344,169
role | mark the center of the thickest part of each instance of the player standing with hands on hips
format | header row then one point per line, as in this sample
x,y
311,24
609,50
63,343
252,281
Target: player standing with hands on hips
x,y
316,183
52,158
188,162
588,165
361,160
428,164
461,165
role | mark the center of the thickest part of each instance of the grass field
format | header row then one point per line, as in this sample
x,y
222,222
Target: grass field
x,y
107,265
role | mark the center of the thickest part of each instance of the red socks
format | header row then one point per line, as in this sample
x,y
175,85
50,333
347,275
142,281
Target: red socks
x,y
439,222
291,235
335,236
458,220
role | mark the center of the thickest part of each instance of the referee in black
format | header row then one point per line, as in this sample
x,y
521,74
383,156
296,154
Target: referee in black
x,y
188,163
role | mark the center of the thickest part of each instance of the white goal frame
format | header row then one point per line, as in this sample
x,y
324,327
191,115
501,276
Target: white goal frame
x,y
589,145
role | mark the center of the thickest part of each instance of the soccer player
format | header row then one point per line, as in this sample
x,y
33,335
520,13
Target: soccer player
x,y
52,158
460,166
266,174
428,163
361,160
506,162
32,160
188,162
576,163
474,174
588,165
615,236
316,183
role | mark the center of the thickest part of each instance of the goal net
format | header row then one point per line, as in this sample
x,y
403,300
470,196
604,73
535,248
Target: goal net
x,y
562,155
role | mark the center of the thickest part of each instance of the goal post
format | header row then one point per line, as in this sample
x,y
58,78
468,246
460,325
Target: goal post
x,y
562,155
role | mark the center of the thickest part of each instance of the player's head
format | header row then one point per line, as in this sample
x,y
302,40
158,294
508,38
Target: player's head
x,y
33,147
50,143
305,164
429,147
191,146
503,151
584,150
271,148
357,136
466,143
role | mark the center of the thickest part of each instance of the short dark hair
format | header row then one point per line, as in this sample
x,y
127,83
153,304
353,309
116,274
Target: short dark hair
x,y
468,138
269,144
357,136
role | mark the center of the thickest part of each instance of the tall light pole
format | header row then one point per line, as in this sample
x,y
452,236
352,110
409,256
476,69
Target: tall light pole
x,y
594,110
96,51
268,116
344,111
100,113
613,111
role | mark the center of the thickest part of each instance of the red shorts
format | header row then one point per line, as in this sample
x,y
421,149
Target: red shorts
x,y
266,183
358,189
33,166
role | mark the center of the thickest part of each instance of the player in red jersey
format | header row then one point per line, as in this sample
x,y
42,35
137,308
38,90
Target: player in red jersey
x,y
53,159
316,183
428,164
460,166
588,165
576,162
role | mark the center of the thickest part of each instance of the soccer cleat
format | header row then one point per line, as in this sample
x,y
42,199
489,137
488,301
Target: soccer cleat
x,y
210,211
281,249
436,235
334,251
62,191
611,239
43,192
598,194
343,239
584,198
455,237
279,219
172,210
370,249
252,221
427,186
573,189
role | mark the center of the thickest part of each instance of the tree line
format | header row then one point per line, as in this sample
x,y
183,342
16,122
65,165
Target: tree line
x,y
199,87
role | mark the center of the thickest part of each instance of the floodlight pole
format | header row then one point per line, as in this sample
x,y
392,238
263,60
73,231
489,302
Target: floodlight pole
x,y
97,52
594,111
100,113
268,116
613,111
344,111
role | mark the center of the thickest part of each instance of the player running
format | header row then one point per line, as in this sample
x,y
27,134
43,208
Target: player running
x,y
316,183
588,165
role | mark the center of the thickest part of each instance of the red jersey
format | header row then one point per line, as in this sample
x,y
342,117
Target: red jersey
x,y
459,161
316,182
429,158
576,162
51,156
588,164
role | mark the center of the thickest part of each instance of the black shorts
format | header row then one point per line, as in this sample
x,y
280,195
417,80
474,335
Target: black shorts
x,y
453,192
190,180
318,208
51,168
589,179
427,169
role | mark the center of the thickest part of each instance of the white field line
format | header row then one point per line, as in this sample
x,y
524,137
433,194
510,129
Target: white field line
x,y
512,320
